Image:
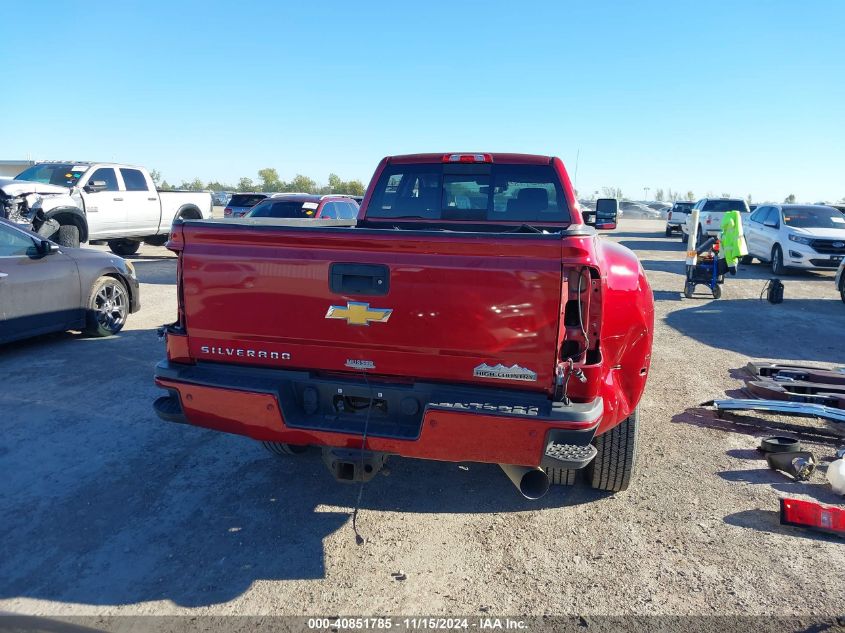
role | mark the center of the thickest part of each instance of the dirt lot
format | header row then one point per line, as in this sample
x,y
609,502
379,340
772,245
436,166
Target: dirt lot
x,y
106,509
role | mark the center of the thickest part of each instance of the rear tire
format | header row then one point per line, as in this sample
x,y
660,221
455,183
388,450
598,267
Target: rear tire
x,y
68,235
614,464
684,237
156,240
108,307
124,248
717,291
668,231
278,448
561,476
689,288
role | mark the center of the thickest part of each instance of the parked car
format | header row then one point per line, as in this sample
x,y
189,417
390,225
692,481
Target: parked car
x,y
840,280
710,213
305,205
811,237
45,287
468,314
677,216
240,203
221,198
108,203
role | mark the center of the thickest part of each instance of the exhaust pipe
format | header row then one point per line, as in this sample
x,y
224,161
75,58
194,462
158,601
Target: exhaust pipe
x,y
532,483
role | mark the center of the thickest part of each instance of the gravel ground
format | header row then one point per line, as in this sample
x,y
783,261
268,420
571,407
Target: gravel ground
x,y
107,510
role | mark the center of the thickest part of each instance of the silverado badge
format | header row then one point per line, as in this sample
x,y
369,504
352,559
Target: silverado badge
x,y
514,372
357,313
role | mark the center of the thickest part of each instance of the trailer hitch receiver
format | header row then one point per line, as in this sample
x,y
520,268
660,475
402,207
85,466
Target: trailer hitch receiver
x,y
353,465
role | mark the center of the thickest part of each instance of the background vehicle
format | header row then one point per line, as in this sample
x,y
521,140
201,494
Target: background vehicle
x,y
97,203
811,237
638,210
710,215
240,203
305,205
840,280
221,198
467,279
45,287
677,216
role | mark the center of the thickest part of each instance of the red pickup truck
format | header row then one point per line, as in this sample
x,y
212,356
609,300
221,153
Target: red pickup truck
x,y
468,314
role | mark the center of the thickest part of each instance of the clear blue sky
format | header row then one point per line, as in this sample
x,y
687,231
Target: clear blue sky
x,y
738,97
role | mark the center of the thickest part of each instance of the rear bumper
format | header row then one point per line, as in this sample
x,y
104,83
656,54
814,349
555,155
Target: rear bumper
x,y
450,424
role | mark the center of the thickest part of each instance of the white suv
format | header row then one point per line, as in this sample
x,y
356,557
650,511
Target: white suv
x,y
811,237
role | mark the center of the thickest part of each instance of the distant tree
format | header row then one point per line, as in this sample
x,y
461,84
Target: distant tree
x,y
165,186
269,179
690,196
335,183
193,185
303,184
246,184
748,198
216,185
658,195
353,188
612,192
726,195
790,199
155,174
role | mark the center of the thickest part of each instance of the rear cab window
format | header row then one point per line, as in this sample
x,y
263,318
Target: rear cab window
x,y
245,199
134,179
497,192
284,209
720,206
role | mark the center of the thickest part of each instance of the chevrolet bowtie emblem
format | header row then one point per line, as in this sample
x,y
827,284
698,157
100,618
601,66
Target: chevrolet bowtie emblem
x,y
357,313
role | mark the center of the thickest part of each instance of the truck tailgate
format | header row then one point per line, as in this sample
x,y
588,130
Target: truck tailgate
x,y
410,305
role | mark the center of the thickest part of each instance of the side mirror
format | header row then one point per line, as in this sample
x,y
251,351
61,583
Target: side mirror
x,y
607,210
95,185
45,247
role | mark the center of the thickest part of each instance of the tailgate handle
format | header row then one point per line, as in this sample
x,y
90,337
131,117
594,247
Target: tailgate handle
x,y
359,279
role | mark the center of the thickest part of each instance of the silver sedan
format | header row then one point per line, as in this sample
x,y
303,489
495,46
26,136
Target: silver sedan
x,y
45,287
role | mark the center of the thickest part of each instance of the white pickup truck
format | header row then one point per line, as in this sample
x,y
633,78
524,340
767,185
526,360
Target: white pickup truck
x,y
710,213
97,203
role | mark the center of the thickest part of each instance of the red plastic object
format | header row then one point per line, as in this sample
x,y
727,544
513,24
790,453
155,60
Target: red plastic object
x,y
813,515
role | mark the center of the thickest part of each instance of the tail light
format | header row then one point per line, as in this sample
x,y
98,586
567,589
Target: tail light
x,y
227,211
467,158
812,515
